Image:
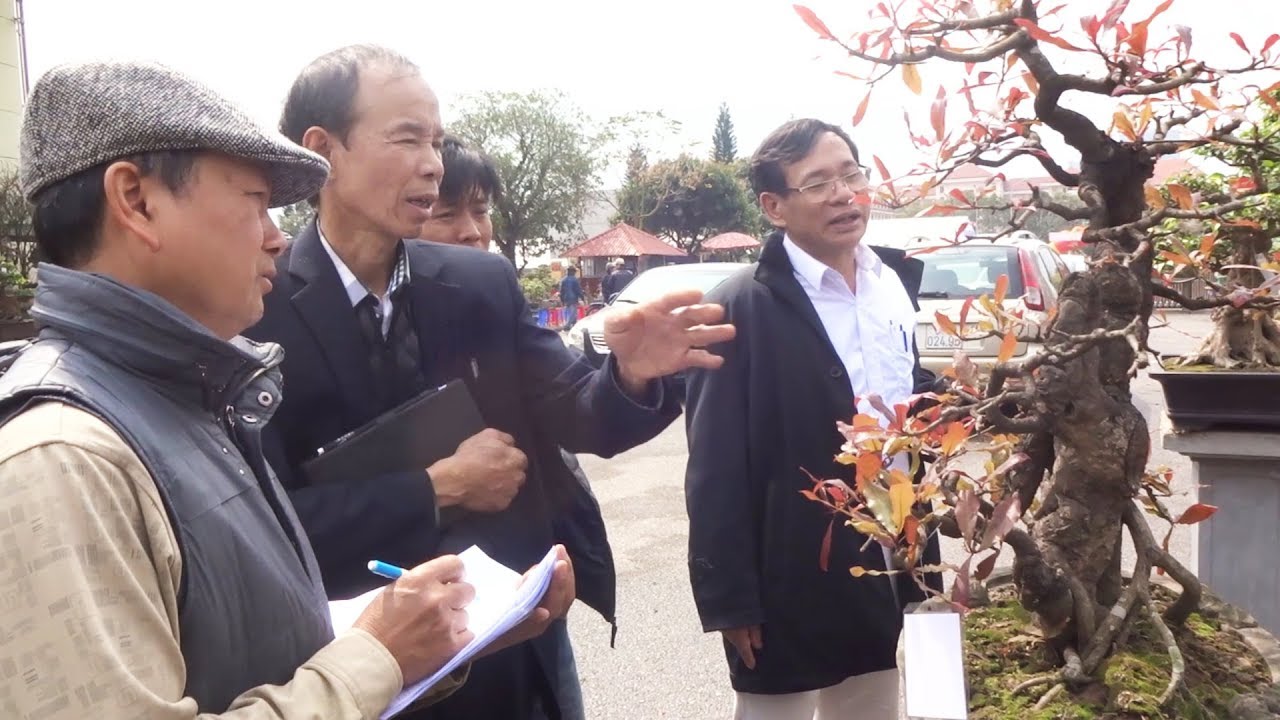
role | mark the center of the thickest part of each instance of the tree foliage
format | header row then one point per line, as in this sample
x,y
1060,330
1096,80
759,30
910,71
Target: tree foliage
x,y
549,159
295,218
1066,445
723,142
688,200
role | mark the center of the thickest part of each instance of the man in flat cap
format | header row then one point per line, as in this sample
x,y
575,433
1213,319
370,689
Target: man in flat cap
x,y
152,566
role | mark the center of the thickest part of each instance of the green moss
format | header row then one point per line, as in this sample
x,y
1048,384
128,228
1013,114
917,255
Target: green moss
x,y
1004,648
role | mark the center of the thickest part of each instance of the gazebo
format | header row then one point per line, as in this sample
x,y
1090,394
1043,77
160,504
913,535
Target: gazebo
x,y
728,246
638,248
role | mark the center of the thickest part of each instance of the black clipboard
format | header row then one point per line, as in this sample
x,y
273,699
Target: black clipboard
x,y
412,436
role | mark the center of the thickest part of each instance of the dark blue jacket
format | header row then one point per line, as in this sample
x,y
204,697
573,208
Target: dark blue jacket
x,y
473,323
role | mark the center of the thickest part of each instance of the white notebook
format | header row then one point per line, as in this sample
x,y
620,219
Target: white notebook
x,y
501,603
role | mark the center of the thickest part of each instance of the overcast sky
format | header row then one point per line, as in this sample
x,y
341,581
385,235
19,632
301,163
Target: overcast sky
x,y
683,57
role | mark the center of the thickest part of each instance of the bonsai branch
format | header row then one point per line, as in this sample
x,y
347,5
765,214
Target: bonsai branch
x,y
1266,303
1178,665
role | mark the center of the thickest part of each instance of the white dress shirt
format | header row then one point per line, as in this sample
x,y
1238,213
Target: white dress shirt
x,y
871,329
356,291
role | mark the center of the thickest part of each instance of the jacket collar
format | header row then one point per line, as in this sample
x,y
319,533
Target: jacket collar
x,y
144,333
324,305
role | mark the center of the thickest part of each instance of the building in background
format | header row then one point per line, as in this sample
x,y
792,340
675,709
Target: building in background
x,y
11,81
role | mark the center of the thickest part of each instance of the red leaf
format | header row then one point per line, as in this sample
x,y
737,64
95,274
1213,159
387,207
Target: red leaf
x,y
1159,9
1003,519
1239,41
1042,35
939,113
824,555
987,565
959,196
1270,41
880,168
862,109
1114,12
965,308
960,590
1196,513
813,22
1243,184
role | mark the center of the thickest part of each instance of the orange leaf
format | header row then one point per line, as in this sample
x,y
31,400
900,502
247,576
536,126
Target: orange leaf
x,y
1145,117
1154,199
1204,101
965,308
901,497
1002,288
1176,258
911,77
1206,244
1008,346
1138,39
868,468
956,434
1196,513
1042,35
1124,125
945,324
1031,82
1182,196
813,22
862,109
1239,41
1270,41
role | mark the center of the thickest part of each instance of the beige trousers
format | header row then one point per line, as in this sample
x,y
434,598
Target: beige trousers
x,y
873,696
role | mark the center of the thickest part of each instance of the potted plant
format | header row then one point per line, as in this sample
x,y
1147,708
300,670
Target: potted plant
x,y
1045,457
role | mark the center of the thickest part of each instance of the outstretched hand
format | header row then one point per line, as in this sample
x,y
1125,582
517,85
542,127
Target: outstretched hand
x,y
664,336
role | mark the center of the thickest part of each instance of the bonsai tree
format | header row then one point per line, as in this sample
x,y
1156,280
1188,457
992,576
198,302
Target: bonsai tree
x,y
1065,479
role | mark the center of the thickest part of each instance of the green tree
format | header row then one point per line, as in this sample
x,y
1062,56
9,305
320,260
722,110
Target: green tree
x,y
691,200
549,160
296,217
724,143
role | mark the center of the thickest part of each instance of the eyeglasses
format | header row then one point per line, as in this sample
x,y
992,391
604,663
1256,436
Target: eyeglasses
x,y
856,181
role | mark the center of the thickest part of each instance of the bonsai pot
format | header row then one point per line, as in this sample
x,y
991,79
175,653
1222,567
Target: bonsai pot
x,y
1200,399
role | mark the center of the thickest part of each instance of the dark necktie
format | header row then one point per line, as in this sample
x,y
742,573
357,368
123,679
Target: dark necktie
x,y
395,360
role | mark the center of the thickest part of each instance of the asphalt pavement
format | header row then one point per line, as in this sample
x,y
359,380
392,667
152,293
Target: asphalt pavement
x,y
663,665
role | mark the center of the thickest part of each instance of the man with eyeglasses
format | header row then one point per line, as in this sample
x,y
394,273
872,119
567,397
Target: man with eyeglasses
x,y
823,323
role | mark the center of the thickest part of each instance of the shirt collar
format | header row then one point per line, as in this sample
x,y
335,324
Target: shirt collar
x,y
813,271
356,291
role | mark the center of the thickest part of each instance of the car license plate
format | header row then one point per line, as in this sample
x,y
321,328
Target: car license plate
x,y
935,339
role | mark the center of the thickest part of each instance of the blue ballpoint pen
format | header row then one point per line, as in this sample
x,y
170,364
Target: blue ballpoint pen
x,y
377,567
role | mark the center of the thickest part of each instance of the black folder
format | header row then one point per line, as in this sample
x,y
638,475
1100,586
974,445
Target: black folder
x,y
412,436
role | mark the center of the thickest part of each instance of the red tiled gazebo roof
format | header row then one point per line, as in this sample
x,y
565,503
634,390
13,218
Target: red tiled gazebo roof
x,y
731,241
622,240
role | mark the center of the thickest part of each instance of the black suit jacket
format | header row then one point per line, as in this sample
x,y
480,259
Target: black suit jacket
x,y
473,323
755,427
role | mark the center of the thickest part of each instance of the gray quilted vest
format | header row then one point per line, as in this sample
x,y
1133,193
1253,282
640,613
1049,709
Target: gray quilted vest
x,y
252,607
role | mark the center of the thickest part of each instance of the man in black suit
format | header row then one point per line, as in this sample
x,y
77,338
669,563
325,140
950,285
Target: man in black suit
x,y
368,319
823,323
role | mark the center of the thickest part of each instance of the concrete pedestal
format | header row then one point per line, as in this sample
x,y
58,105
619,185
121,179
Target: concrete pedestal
x,y
1239,547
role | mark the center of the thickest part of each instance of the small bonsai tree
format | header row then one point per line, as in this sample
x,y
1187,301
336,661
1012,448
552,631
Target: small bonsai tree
x,y
1065,478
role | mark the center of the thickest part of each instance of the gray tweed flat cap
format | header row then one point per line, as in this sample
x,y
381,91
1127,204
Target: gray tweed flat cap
x,y
82,115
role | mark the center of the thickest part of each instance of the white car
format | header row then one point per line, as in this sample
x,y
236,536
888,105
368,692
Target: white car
x,y
588,334
954,273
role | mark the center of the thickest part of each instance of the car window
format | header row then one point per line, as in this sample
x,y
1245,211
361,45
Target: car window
x,y
650,285
1052,266
969,271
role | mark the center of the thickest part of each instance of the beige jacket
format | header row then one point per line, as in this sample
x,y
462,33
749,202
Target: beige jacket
x,y
89,575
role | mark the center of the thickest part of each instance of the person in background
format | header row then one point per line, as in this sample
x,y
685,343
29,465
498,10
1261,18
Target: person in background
x,y
570,296
369,317
618,279
461,216
153,564
824,322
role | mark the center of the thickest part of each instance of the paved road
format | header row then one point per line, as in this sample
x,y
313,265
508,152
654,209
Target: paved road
x,y
663,665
